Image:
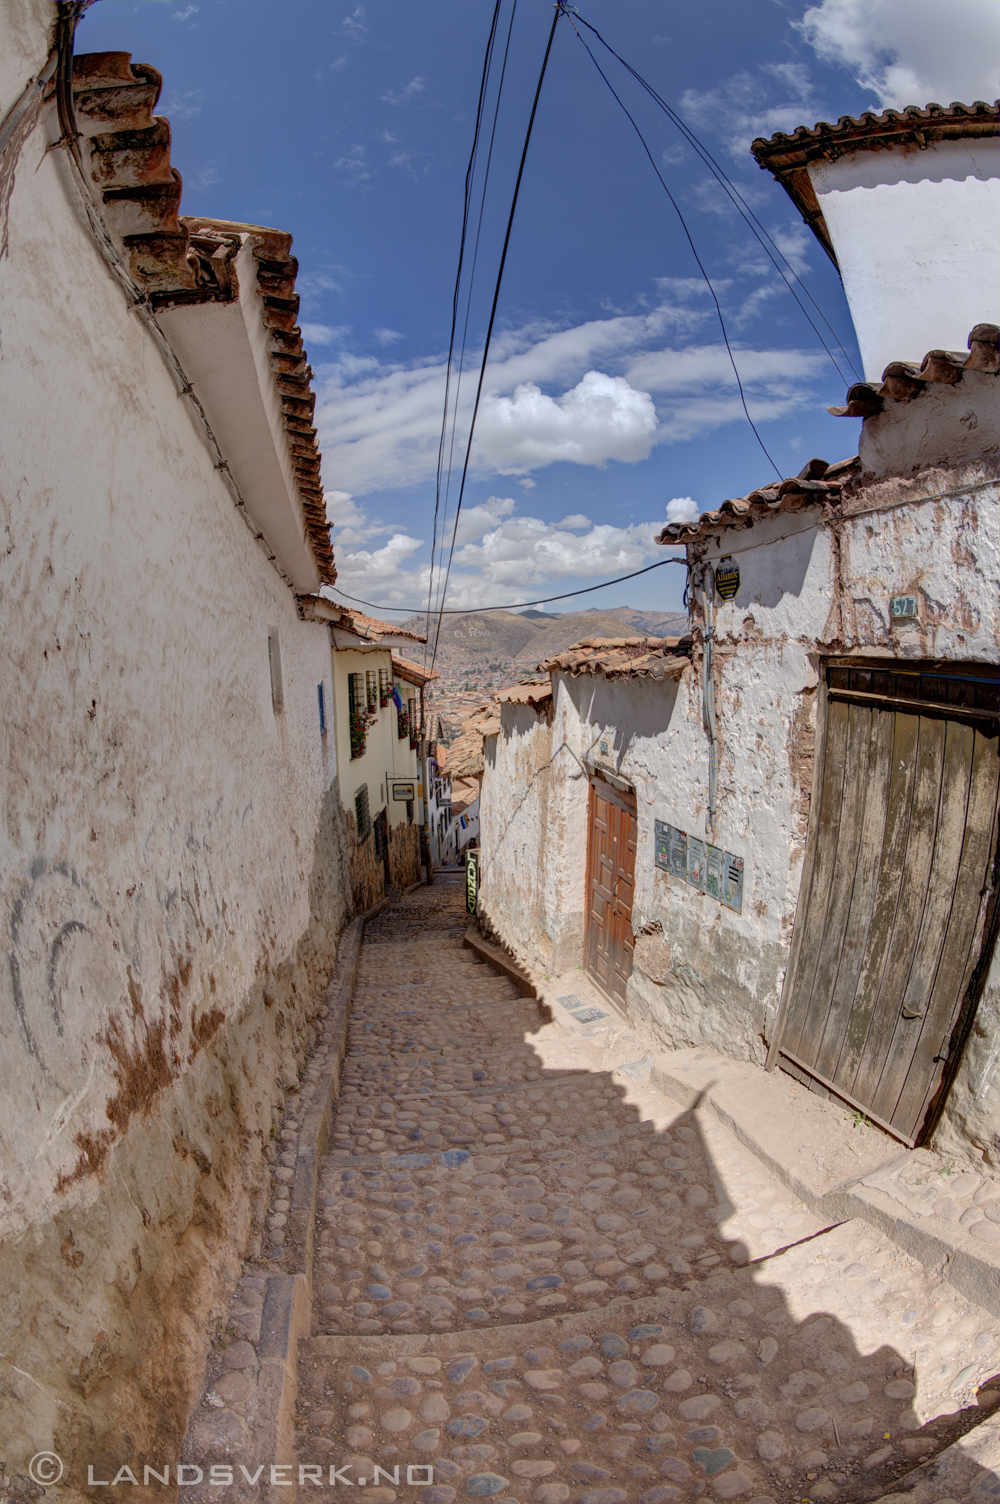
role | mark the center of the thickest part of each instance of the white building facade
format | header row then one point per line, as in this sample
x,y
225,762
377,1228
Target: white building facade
x,y
172,862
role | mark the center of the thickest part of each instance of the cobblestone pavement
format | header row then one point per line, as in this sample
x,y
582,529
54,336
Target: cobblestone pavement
x,y
549,1283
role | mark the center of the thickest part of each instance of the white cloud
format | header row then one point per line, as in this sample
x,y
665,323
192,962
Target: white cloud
x,y
355,162
387,336
355,25
324,334
602,418
500,557
778,97
683,509
525,552
547,399
473,522
406,95
911,51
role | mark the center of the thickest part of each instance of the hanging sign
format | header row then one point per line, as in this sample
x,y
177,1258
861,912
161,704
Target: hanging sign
x,y
727,578
471,881
403,789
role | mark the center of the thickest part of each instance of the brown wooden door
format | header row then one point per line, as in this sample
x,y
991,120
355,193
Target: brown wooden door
x,y
890,918
608,938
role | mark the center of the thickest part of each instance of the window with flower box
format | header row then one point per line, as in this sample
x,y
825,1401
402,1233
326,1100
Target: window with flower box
x,y
359,716
384,687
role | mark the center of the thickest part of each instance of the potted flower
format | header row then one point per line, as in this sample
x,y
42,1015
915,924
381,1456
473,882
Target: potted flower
x,y
361,719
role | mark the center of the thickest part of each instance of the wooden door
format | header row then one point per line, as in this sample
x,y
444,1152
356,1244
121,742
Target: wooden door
x,y
891,915
608,938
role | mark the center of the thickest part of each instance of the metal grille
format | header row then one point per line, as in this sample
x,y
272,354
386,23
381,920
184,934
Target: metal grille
x,y
371,686
361,813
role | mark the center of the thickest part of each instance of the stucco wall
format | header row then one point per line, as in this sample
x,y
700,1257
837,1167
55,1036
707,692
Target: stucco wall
x,y
916,241
171,868
704,974
531,893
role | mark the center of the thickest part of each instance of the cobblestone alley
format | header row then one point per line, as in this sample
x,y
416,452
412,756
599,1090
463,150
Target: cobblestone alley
x,y
547,1282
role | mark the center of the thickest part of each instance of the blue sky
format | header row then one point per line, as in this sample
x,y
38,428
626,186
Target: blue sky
x,y
608,393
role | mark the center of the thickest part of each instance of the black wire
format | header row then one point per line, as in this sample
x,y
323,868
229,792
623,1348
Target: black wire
x,y
742,206
690,241
472,274
458,279
493,314
516,605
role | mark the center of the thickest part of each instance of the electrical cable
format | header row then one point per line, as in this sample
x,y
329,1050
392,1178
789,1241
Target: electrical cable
x,y
516,605
753,223
493,312
472,274
690,240
458,280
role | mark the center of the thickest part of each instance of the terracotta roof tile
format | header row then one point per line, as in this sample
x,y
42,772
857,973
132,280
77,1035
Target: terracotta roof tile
x,y
624,657
903,380
788,156
369,627
529,693
412,673
820,484
188,260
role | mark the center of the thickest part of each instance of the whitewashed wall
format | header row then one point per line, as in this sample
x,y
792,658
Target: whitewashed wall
x,y
915,234
170,872
703,973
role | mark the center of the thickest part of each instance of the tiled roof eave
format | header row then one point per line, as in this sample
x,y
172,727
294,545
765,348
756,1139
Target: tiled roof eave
x,y
819,486
179,261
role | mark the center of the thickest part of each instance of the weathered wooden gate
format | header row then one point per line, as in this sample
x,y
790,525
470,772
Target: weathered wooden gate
x,y
895,889
608,939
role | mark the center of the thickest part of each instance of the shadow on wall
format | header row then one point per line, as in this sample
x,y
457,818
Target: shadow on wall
x,y
775,1364
639,709
109,1302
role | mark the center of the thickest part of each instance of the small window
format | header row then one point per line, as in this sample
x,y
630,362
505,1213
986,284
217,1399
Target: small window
x,y
409,811
321,696
384,686
371,688
361,813
274,663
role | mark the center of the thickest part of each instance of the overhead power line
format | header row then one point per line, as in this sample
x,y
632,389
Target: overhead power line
x,y
458,282
493,314
765,241
465,329
545,600
690,239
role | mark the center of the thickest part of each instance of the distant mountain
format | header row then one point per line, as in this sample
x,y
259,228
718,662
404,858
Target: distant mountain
x,y
513,642
556,637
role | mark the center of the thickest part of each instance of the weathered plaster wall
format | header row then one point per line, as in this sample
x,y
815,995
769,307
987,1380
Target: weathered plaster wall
x,y
703,974
171,868
532,814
